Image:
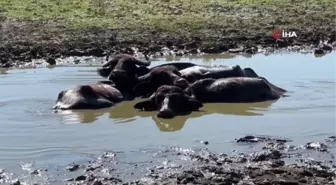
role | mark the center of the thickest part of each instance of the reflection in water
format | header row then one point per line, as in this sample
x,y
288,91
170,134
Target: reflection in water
x,y
124,112
3,71
319,55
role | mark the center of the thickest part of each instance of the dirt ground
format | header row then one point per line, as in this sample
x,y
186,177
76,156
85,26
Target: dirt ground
x,y
48,29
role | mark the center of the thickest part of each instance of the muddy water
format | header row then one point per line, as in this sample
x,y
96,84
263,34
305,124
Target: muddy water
x,y
30,131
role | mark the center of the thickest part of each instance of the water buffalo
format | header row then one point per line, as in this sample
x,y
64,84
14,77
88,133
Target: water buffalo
x,y
164,75
169,101
102,94
123,70
169,75
234,90
121,63
195,73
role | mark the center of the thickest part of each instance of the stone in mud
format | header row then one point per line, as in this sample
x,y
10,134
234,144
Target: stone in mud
x,y
34,172
280,43
108,155
80,178
331,139
6,65
326,47
17,182
266,155
72,167
332,37
316,146
236,50
256,139
251,50
51,61
248,139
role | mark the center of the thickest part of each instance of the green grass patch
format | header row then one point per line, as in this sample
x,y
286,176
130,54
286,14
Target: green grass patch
x,y
165,15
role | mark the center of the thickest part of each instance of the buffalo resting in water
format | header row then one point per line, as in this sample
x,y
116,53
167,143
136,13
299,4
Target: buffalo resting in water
x,y
124,70
169,75
102,94
216,72
173,89
171,101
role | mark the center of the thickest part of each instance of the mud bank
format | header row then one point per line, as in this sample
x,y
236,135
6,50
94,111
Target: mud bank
x,y
273,161
170,28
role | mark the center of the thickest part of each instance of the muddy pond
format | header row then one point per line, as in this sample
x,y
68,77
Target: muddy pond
x,y
31,132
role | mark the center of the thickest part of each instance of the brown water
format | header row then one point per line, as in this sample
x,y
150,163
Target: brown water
x,y
30,131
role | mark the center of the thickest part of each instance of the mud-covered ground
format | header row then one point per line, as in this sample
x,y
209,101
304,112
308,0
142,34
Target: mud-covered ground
x,y
273,161
50,29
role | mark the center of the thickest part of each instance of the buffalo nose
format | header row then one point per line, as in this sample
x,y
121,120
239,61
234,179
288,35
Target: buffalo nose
x,y
166,113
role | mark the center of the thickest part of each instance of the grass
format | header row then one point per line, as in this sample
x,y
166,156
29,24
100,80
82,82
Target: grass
x,y
172,15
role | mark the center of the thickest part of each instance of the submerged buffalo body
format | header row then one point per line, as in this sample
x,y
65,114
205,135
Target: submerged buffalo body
x,y
234,90
170,75
195,73
169,101
93,96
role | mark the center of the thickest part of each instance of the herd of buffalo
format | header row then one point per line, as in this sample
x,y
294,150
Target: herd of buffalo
x,y
171,89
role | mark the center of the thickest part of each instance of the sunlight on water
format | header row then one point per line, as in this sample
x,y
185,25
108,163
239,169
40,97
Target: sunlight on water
x,y
30,130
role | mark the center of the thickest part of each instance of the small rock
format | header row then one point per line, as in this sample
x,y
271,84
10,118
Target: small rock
x,y
316,146
319,52
236,50
205,142
77,61
51,61
80,178
72,167
326,47
17,182
35,172
251,139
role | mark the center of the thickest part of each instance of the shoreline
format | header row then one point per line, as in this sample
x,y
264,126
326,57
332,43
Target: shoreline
x,y
273,160
178,28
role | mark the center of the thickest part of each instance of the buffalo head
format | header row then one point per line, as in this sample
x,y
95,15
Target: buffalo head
x,y
169,101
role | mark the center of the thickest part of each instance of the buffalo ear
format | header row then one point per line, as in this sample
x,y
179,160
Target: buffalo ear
x,y
60,95
145,105
194,104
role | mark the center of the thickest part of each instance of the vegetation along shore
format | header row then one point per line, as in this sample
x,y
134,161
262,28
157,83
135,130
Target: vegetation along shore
x,y
50,29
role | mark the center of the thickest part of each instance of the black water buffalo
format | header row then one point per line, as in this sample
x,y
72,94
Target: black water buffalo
x,y
123,70
195,73
102,94
120,64
169,101
169,75
234,90
164,75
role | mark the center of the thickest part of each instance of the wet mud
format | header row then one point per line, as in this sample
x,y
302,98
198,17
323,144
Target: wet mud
x,y
24,40
273,161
